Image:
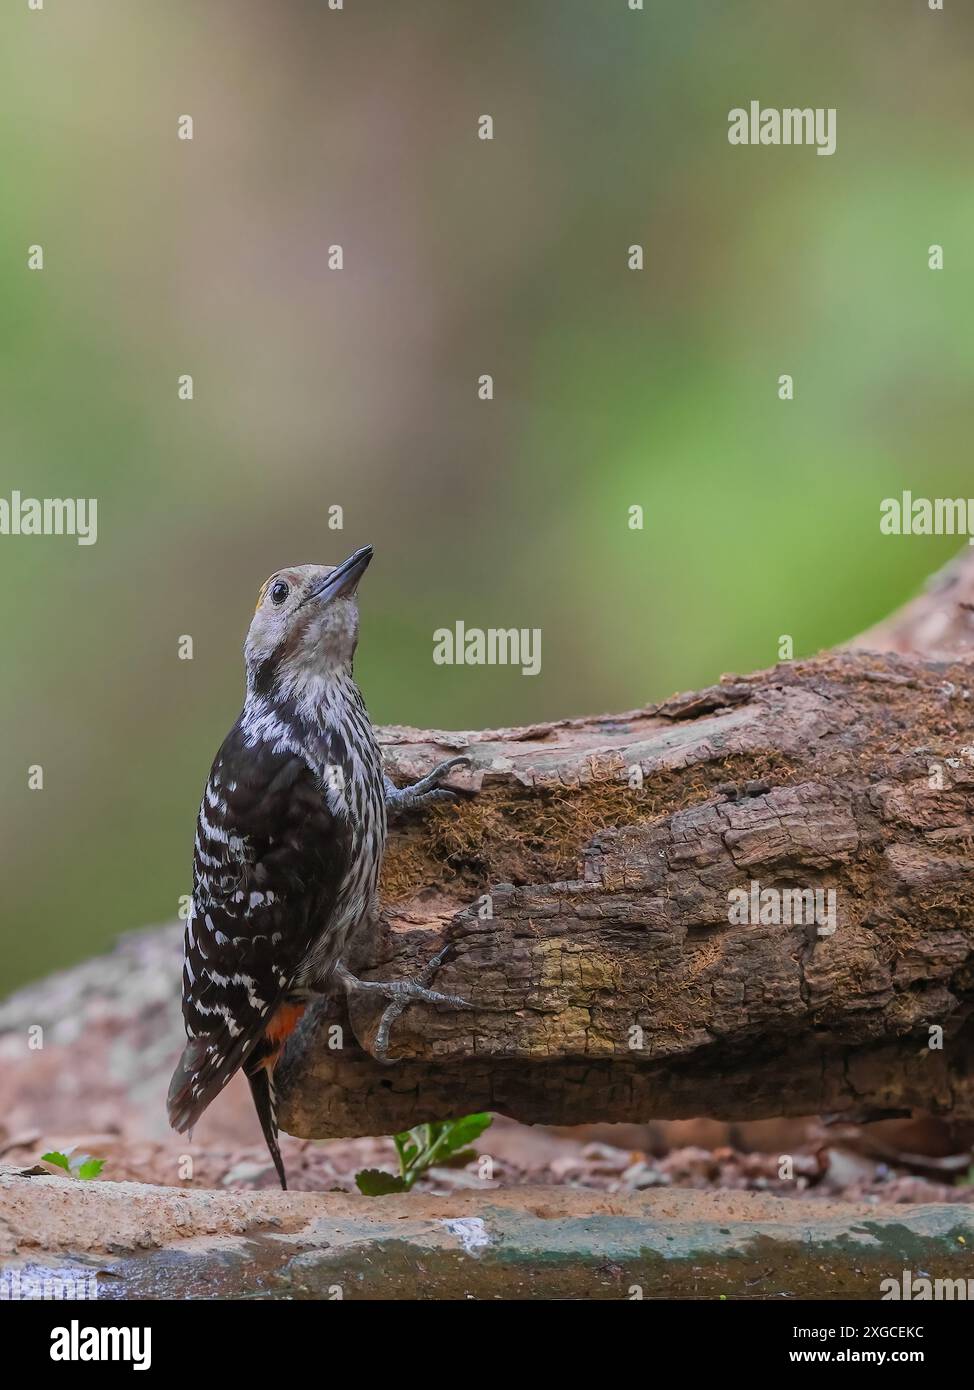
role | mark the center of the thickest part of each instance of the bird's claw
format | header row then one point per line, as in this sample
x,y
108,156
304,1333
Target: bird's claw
x,y
427,790
426,785
402,993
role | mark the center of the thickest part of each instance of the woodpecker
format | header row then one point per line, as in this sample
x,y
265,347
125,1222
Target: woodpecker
x,y
289,843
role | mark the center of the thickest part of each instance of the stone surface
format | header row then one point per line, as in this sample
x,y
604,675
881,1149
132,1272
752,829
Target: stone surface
x,y
142,1242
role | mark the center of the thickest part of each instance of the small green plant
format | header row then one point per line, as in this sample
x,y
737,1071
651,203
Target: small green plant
x,y
77,1165
422,1148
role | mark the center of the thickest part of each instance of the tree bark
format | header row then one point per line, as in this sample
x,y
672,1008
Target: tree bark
x,y
589,919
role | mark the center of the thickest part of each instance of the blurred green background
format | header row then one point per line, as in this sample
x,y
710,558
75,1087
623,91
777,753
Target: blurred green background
x,y
315,388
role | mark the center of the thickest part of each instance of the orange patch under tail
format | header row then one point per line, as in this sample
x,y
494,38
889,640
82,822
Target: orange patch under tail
x,y
280,1026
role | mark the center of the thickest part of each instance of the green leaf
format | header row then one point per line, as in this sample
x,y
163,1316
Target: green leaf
x,y
373,1182
407,1147
460,1133
78,1165
459,1159
426,1145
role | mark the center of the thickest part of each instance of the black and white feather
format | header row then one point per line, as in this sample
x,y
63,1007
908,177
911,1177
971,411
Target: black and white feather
x,y
289,843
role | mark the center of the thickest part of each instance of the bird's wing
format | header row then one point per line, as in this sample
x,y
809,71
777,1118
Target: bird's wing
x,y
269,856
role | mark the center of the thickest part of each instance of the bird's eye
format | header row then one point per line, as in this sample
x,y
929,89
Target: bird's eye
x,y
279,592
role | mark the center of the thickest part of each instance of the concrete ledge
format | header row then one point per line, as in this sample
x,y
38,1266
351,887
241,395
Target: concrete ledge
x,y
519,1243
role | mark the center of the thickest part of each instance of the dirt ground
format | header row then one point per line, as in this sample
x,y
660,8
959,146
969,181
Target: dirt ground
x,y
889,1162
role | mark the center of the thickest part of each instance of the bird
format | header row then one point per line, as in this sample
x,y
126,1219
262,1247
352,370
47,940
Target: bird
x,y
289,842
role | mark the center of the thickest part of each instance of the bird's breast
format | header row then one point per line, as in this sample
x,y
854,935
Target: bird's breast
x,y
351,779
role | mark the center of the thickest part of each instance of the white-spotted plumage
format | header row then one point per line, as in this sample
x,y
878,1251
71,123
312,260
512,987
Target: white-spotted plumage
x,y
289,842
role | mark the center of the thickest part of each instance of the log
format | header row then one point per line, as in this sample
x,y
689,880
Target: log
x,y
584,888
610,909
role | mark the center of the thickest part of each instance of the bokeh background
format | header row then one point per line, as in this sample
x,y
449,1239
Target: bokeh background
x,y
358,388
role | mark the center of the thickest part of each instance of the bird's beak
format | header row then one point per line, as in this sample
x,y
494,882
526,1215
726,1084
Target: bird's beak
x,y
344,578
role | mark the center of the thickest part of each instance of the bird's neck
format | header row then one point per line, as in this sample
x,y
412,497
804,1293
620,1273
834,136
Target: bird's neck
x,y
311,705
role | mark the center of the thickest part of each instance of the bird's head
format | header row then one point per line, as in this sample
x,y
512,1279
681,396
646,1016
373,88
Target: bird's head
x,y
305,626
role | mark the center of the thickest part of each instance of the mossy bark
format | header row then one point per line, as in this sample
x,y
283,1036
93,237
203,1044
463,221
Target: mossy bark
x,y
584,886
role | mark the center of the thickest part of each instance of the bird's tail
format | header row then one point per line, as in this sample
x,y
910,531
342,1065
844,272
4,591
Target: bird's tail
x,y
261,1078
259,1070
187,1097
187,1102
207,1065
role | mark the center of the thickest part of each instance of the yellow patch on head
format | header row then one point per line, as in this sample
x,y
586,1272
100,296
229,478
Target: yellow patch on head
x,y
263,591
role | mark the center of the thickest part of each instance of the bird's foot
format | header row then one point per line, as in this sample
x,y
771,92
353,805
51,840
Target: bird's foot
x,y
426,790
401,993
